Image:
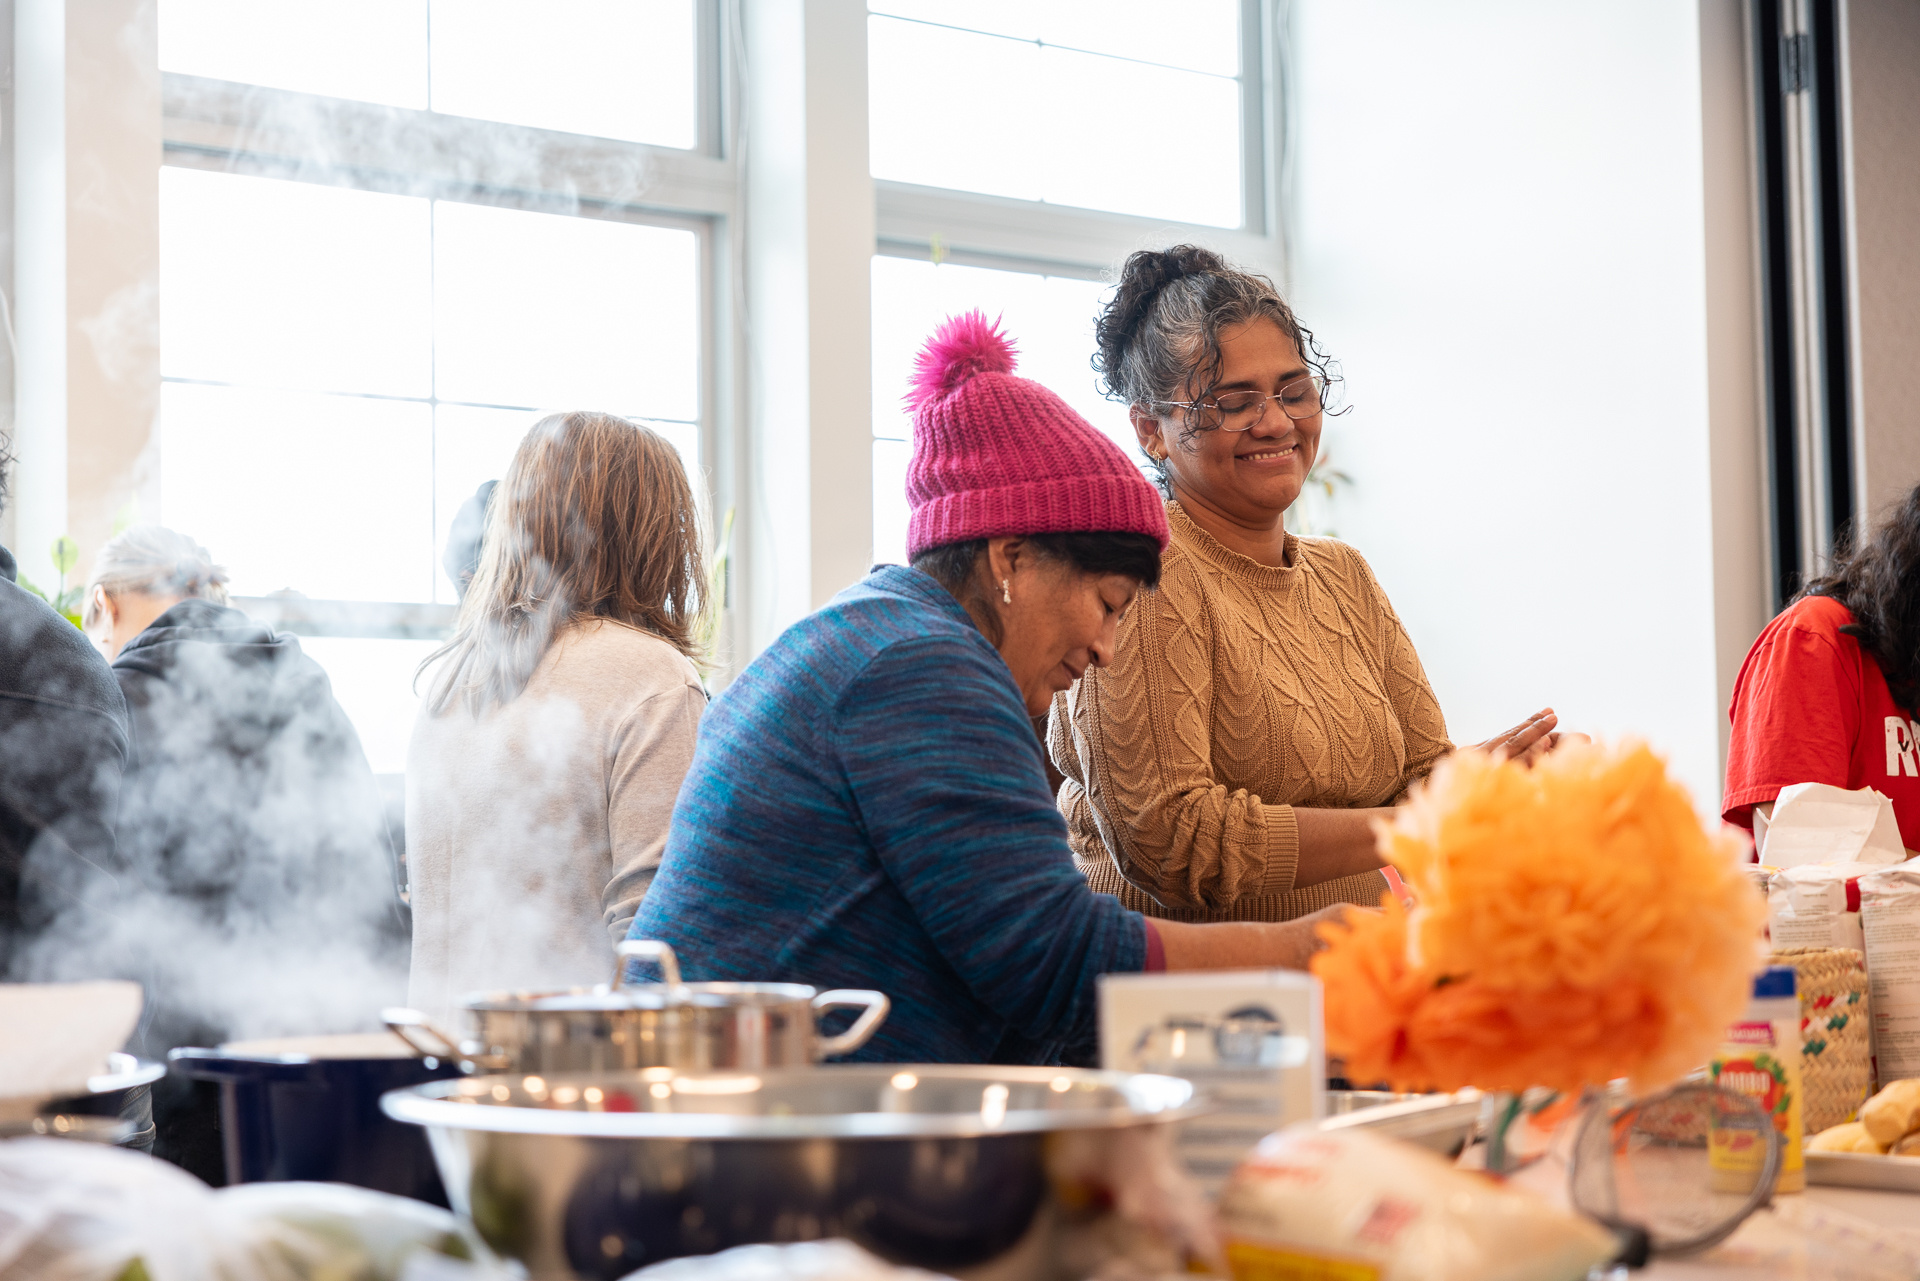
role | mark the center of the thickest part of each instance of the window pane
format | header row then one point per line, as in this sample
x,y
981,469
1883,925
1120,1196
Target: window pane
x,y
576,313
1204,37
956,109
610,68
373,681
1049,318
326,495
289,284
369,50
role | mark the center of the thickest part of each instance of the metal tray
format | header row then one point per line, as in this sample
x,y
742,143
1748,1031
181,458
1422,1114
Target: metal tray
x,y
1864,1170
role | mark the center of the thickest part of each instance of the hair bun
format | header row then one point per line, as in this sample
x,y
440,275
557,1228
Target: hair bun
x,y
964,347
1145,273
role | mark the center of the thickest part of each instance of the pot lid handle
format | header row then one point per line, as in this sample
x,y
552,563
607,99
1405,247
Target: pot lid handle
x,y
646,950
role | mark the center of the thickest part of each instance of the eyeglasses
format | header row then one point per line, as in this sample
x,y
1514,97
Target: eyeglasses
x,y
1300,399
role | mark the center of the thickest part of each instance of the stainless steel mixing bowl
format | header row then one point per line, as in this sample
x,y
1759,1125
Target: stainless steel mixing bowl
x,y
597,1174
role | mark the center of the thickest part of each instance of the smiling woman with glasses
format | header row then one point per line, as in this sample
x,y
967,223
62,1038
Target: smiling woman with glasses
x,y
1265,703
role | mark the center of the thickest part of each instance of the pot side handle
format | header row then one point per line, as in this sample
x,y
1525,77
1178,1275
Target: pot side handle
x,y
875,1005
417,1030
646,950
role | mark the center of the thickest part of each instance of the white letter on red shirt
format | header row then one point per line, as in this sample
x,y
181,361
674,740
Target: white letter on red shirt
x,y
1901,754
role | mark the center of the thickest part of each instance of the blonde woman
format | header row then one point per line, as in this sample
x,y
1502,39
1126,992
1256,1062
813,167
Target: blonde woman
x,y
560,719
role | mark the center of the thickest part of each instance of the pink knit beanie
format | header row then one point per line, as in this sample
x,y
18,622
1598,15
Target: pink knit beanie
x,y
998,456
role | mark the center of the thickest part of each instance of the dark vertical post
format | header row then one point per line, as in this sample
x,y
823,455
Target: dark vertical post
x,y
1836,360
1776,295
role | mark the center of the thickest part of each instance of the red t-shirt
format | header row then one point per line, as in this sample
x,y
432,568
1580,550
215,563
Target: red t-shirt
x,y
1811,707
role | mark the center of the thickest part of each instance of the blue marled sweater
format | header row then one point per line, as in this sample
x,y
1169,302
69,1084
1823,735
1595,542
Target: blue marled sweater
x,y
867,807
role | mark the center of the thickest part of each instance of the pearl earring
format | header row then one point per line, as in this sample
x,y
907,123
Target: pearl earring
x,y
1006,592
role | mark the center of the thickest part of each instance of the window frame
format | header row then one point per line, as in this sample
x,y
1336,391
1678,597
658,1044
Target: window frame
x,y
239,128
1039,238
253,130
975,229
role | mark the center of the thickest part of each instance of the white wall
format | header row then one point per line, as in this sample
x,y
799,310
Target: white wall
x,y
86,271
1500,232
1883,137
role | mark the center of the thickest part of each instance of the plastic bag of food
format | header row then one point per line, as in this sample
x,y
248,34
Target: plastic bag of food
x,y
1314,1204
1817,905
72,1211
360,1233
807,1261
1890,915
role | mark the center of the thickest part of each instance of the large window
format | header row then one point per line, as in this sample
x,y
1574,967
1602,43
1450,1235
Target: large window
x,y
349,351
394,231
611,68
1021,148
1133,106
419,333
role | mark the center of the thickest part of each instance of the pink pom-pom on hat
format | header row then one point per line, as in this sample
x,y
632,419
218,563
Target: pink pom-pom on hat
x,y
996,455
966,345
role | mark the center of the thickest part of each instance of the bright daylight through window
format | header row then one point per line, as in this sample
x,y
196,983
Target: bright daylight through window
x,y
574,69
343,368
1141,102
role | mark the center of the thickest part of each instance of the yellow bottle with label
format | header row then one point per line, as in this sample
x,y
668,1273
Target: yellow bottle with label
x,y
1761,1059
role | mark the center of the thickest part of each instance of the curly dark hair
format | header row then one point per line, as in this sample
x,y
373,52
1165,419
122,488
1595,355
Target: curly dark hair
x,y
1879,581
1160,333
7,459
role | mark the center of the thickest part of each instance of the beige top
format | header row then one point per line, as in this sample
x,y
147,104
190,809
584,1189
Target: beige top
x,y
533,831
1239,691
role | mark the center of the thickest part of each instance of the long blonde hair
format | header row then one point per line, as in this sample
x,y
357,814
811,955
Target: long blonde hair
x,y
594,519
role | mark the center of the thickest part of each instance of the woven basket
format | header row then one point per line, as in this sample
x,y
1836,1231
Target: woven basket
x,y
1836,1052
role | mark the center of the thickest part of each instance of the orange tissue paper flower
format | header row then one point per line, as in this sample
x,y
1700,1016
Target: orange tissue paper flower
x,y
1576,922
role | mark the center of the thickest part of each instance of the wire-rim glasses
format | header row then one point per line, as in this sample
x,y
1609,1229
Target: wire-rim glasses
x,y
1301,399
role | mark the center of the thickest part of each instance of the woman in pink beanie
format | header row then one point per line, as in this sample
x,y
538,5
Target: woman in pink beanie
x,y
867,805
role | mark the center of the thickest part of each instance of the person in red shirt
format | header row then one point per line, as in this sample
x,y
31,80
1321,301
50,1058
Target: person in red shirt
x,y
1830,693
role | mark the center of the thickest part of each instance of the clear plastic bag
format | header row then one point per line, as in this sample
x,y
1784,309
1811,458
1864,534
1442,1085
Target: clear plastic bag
x,y
74,1211
1309,1202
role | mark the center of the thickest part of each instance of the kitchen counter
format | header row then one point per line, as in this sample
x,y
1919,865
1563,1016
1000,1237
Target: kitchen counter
x,y
1821,1234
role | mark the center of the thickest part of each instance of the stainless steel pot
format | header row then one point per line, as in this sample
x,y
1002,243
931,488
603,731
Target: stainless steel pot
x,y
594,1175
692,1026
121,1096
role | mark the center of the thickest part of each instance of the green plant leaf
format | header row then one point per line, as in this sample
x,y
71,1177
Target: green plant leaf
x,y
66,554
26,585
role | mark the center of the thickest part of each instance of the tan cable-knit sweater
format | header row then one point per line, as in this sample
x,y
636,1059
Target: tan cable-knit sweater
x,y
1238,691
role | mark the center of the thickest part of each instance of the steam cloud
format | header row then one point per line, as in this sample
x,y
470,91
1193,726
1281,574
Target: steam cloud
x,y
253,896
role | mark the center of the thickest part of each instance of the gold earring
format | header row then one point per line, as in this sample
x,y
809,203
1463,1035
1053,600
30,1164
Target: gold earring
x,y
1006,592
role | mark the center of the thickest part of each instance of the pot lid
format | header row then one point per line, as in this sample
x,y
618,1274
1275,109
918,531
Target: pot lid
x,y
639,996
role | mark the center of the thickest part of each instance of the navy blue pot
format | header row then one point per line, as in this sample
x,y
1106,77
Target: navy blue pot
x,y
291,1117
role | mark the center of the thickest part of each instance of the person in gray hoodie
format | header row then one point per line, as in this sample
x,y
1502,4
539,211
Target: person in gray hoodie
x,y
249,820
